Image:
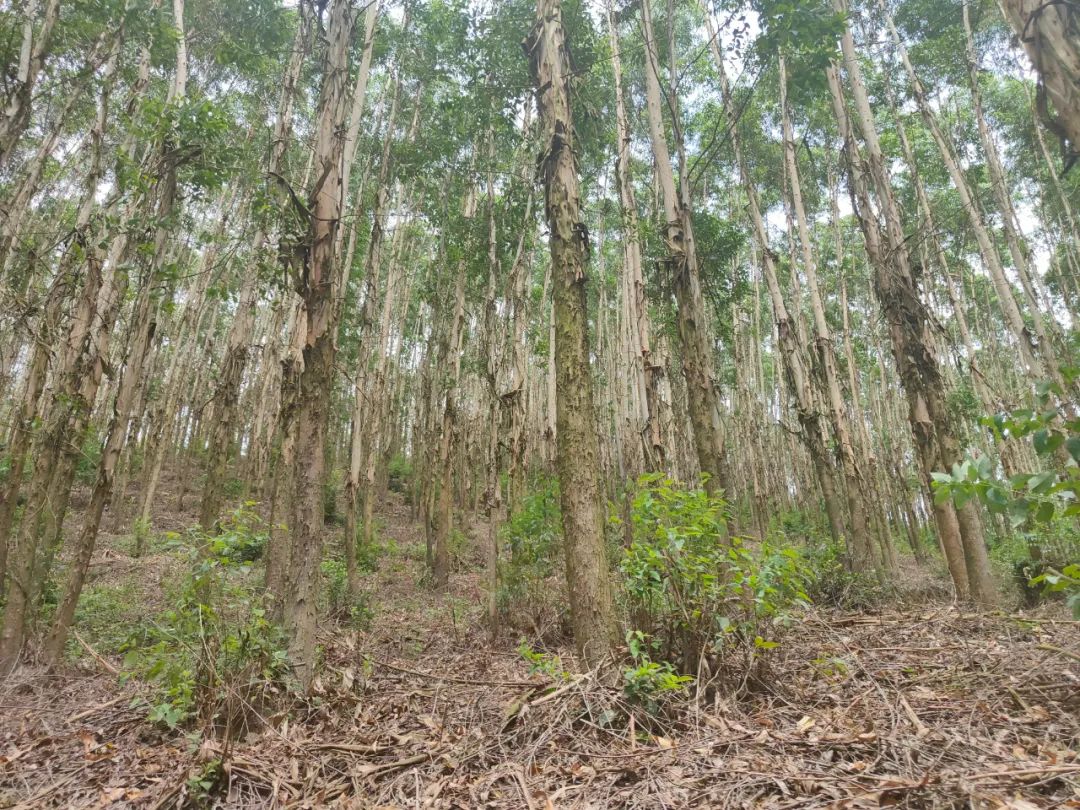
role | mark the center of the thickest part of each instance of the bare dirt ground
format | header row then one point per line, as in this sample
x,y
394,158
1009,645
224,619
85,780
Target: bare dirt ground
x,y
924,707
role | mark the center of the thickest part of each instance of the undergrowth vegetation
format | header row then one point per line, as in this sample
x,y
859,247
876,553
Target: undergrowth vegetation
x,y
1040,543
698,600
214,658
531,595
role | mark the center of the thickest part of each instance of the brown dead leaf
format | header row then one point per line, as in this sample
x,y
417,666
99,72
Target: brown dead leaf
x,y
111,796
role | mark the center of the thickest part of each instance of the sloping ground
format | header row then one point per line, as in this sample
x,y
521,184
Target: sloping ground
x,y
925,708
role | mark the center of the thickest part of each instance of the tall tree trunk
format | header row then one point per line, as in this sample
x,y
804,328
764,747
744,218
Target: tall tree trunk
x,y
144,323
1038,357
697,362
646,372
592,611
34,49
318,325
1047,31
792,348
234,362
909,330
861,545
444,502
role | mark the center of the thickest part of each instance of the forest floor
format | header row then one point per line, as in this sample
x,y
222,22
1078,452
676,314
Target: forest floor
x,y
927,706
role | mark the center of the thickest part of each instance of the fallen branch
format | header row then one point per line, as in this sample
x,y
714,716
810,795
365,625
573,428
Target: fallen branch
x,y
94,653
447,678
1060,651
372,770
1049,769
83,714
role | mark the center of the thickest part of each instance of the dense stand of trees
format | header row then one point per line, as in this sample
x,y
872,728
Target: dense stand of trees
x,y
279,250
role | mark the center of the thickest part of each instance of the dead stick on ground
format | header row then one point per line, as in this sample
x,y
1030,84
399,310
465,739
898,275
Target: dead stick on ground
x,y
519,774
76,717
920,728
1026,772
1066,653
432,675
94,653
372,770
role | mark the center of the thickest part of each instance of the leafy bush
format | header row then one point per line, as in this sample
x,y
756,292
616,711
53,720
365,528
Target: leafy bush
x,y
464,554
1066,581
399,474
359,612
541,663
1042,506
332,489
692,592
530,595
89,457
233,488
649,684
215,657
141,534
103,616
829,581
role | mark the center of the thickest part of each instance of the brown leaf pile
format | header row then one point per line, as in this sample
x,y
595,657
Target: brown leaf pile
x,y
933,708
904,709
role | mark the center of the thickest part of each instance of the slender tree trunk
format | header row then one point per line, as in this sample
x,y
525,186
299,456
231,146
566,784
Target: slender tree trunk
x,y
1047,31
646,373
1037,357
318,326
826,353
794,352
909,330
697,363
144,323
241,329
34,49
444,518
591,606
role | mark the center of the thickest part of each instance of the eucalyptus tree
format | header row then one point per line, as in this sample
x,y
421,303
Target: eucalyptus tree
x,y
315,280
591,604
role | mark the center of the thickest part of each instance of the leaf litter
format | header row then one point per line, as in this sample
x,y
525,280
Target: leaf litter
x,y
927,708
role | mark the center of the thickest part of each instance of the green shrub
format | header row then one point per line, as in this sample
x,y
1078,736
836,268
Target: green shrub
x,y
357,613
541,663
463,552
331,493
104,615
649,684
141,534
233,488
1067,582
399,474
215,657
829,581
89,458
531,592
693,592
1041,506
